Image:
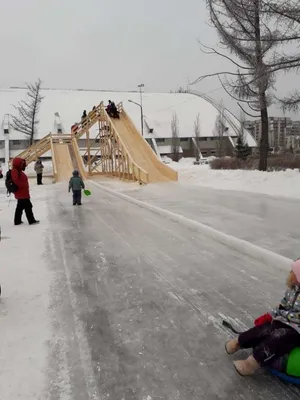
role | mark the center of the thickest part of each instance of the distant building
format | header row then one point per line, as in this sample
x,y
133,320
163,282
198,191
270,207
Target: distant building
x,y
281,132
295,128
293,143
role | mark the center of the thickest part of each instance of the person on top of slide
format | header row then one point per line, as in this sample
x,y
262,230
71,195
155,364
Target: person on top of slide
x,y
112,110
84,115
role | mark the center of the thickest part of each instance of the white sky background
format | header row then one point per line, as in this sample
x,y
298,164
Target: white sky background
x,y
117,44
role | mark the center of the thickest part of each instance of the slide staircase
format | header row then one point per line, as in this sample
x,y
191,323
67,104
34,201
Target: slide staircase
x,y
35,151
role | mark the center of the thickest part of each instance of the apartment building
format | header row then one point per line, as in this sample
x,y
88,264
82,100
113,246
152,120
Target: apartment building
x,y
281,132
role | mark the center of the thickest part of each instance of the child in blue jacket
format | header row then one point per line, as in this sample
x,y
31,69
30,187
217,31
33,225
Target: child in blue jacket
x,y
76,184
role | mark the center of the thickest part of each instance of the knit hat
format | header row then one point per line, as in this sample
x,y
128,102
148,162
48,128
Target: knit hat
x,y
296,269
75,172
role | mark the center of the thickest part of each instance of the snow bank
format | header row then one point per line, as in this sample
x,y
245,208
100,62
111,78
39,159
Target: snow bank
x,y
26,282
280,183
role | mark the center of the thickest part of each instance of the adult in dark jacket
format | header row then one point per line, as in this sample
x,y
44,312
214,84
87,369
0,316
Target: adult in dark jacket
x,y
38,167
22,194
112,110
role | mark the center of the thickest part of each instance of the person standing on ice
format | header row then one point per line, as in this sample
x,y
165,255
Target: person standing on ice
x,y
38,167
76,184
275,334
22,195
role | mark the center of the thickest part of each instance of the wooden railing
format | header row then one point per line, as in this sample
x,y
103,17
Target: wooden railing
x,y
61,139
80,128
36,150
55,174
78,158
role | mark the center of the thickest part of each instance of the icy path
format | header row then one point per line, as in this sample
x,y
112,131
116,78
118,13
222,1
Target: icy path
x,y
140,298
135,306
269,222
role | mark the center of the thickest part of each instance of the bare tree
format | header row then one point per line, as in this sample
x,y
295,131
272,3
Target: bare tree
x,y
26,121
197,132
220,132
287,15
175,137
252,35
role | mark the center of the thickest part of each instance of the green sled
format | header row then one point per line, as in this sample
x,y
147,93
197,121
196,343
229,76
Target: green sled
x,y
293,364
87,192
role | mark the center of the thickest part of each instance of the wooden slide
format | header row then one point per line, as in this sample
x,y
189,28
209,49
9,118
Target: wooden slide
x,y
63,162
65,158
141,151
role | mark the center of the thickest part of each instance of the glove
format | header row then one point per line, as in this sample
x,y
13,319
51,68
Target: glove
x,y
263,319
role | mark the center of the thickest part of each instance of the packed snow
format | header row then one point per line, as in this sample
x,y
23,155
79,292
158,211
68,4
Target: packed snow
x,y
276,183
25,281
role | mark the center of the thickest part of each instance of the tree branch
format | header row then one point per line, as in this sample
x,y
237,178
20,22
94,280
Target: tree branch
x,y
250,115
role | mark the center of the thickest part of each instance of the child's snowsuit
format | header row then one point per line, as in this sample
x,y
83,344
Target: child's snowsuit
x,y
76,185
275,339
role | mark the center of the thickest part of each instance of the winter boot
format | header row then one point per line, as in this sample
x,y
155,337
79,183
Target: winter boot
x,y
232,346
246,367
34,222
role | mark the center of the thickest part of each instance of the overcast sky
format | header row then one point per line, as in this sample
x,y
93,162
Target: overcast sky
x,y
117,44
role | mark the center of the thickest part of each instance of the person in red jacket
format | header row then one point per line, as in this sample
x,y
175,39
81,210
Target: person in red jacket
x,y
22,194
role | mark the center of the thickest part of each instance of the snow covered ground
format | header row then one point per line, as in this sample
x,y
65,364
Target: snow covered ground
x,y
24,305
280,183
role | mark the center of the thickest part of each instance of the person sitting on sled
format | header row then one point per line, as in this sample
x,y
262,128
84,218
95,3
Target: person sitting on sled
x,y
275,334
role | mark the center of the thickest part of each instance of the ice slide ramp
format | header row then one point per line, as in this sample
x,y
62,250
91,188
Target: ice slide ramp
x,y
65,158
140,151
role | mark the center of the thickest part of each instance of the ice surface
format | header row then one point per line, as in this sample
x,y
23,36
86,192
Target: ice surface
x,y
266,221
135,306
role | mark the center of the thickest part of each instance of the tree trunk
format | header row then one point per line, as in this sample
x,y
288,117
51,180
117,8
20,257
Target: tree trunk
x,y
32,126
264,142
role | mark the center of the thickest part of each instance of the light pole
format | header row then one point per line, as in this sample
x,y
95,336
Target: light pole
x,y
141,86
142,115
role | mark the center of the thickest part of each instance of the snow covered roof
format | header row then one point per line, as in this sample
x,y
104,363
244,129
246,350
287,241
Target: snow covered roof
x,y
158,111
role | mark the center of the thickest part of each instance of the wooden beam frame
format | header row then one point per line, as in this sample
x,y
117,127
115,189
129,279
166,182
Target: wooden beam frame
x,y
104,154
